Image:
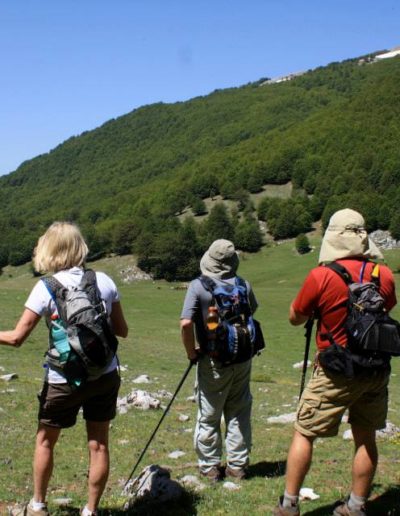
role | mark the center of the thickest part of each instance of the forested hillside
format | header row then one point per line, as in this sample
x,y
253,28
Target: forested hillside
x,y
334,132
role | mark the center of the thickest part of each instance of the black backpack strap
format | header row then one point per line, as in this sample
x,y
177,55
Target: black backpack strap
x,y
241,282
208,283
53,286
88,283
341,271
56,291
346,277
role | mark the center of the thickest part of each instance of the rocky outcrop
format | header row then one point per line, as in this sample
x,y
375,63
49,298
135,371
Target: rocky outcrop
x,y
384,240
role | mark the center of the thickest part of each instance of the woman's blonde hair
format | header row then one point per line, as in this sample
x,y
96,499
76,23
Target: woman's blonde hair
x,y
61,247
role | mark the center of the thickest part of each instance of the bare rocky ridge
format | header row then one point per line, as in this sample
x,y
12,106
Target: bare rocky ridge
x,y
384,240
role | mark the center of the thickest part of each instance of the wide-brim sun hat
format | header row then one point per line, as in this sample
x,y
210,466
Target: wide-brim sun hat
x,y
346,237
220,260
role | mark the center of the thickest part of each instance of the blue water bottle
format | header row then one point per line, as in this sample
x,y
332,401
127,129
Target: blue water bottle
x,y
60,338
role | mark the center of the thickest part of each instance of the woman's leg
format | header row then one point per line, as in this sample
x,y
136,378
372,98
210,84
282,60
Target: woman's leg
x,y
46,439
99,461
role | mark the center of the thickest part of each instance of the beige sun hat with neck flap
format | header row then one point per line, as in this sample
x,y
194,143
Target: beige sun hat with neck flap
x,y
220,261
346,237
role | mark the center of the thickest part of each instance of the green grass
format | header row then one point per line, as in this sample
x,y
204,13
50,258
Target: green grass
x,y
153,347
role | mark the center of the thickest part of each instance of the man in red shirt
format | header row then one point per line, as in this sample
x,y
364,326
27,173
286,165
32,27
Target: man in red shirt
x,y
329,394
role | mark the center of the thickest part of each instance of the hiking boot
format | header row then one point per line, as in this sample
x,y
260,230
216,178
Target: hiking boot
x,y
279,510
27,510
236,473
344,510
214,473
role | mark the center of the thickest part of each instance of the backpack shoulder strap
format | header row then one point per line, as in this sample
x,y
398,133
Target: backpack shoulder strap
x,y
341,271
208,283
88,277
240,282
53,286
57,292
88,283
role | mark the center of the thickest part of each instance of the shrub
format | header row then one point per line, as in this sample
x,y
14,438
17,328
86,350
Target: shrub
x,y
302,244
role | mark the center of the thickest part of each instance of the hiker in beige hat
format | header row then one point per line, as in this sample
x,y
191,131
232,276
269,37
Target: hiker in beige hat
x,y
330,393
222,390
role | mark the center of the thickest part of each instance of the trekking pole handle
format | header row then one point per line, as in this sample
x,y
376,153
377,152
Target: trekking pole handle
x,y
191,363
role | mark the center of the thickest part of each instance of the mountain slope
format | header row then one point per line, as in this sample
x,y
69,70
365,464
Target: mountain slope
x,y
333,131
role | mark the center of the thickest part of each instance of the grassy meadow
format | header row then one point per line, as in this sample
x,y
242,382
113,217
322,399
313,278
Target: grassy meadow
x,y
154,348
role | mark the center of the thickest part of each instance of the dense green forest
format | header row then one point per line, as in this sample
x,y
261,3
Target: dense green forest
x,y
333,132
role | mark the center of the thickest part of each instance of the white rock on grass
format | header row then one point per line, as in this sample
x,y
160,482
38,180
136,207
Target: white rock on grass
x,y
348,435
139,399
389,431
8,377
162,394
306,493
231,486
283,418
386,433
193,482
183,417
62,502
299,365
176,454
154,483
143,378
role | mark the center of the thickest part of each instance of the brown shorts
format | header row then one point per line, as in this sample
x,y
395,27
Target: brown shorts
x,y
59,404
328,395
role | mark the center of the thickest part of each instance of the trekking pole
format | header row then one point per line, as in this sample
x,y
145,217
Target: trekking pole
x,y
308,327
161,420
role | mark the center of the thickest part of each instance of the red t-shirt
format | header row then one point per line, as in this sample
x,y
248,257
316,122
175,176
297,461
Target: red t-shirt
x,y
325,294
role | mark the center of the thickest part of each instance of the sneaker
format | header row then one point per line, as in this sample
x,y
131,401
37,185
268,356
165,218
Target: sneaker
x,y
27,510
92,513
279,510
344,510
236,473
214,473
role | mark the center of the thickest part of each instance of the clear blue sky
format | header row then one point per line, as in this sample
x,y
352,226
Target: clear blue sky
x,y
70,65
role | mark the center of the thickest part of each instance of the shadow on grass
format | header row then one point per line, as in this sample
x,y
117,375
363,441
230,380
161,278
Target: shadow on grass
x,y
387,504
184,506
267,469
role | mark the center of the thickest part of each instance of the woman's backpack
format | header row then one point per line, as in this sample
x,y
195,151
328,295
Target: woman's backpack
x,y
238,336
82,343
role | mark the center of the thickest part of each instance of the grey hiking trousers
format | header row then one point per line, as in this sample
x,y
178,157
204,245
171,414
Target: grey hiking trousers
x,y
223,391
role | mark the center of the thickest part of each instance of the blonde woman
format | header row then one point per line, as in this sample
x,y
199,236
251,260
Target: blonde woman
x,y
62,251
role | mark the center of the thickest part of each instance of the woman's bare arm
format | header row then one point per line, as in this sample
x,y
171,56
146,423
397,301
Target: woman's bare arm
x,y
118,320
23,328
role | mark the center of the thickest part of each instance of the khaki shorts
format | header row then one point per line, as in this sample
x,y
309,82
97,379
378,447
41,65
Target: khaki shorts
x,y
328,395
59,404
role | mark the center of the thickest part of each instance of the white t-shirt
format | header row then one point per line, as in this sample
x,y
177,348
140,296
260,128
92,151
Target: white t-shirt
x,y
41,302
